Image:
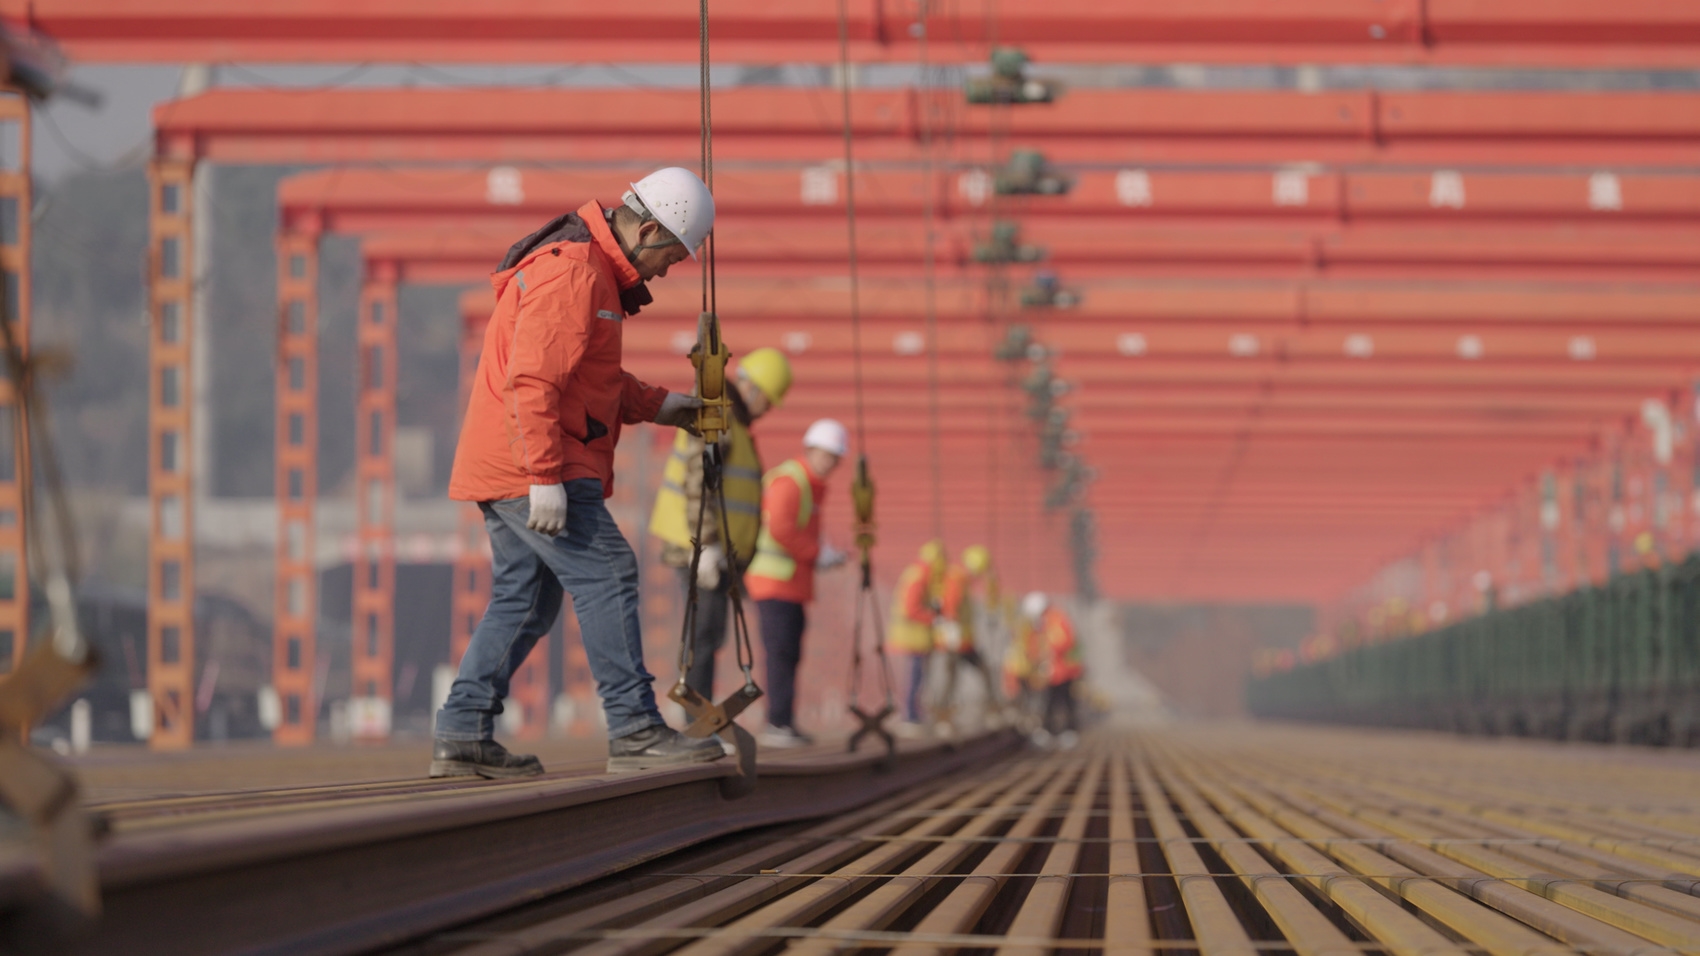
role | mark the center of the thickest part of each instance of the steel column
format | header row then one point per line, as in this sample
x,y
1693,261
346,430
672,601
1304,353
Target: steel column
x,y
373,630
15,206
295,601
171,552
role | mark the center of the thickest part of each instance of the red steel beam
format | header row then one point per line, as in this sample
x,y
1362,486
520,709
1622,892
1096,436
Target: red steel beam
x,y
357,199
1555,33
1137,127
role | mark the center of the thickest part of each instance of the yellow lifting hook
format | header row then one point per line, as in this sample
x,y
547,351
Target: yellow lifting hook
x,y
710,357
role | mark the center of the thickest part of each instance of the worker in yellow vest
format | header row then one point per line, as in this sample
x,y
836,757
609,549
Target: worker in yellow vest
x,y
1022,676
760,383
968,586
781,580
914,615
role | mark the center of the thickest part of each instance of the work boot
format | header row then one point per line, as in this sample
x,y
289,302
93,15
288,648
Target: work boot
x,y
482,758
660,746
785,737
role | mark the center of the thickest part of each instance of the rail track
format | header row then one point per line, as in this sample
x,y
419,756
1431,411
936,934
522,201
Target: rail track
x,y
1256,841
1234,841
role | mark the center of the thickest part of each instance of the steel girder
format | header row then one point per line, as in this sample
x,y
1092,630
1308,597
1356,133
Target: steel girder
x,y
1552,33
1129,128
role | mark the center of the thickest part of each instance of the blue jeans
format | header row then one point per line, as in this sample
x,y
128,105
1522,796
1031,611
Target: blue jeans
x,y
917,684
529,571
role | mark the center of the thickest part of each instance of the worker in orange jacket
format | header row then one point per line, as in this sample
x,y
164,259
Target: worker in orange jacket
x,y
781,579
536,453
963,596
1056,640
914,616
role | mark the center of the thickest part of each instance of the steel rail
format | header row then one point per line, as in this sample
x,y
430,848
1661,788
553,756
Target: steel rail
x,y
879,909
1310,931
817,895
968,901
838,836
257,881
1428,801
1042,911
1214,924
1538,912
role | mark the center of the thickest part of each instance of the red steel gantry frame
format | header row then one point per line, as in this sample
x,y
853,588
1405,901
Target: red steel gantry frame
x,y
1547,33
368,125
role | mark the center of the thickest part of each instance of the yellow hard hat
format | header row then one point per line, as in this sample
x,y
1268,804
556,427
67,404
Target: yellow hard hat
x,y
976,559
933,552
769,370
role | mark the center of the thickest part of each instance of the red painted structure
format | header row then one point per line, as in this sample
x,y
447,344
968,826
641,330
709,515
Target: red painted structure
x,y
1121,126
1639,33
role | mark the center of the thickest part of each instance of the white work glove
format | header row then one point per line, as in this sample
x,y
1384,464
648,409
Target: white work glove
x,y
548,509
709,567
830,557
680,411
950,632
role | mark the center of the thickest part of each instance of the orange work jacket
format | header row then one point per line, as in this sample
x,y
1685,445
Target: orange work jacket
x,y
549,396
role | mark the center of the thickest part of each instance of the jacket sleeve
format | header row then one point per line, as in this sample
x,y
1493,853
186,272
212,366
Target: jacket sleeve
x,y
551,333
779,506
639,402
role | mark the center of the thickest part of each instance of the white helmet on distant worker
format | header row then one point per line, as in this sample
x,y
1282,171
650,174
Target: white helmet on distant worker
x,y
827,435
678,200
1034,605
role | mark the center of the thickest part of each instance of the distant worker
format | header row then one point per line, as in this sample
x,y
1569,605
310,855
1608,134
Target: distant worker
x,y
914,615
963,601
759,384
536,453
782,577
1021,675
1055,637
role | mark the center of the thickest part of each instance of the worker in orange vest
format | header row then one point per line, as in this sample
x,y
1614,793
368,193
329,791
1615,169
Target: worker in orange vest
x,y
914,615
968,585
1056,640
781,579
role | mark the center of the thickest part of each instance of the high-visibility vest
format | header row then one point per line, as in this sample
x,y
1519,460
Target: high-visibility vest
x,y
741,480
772,560
911,630
1063,647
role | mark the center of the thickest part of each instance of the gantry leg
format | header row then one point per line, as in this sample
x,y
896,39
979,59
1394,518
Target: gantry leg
x,y
171,552
15,206
373,632
295,601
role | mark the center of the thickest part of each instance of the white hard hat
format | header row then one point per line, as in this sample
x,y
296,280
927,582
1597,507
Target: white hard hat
x,y
1034,605
679,201
827,435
